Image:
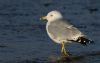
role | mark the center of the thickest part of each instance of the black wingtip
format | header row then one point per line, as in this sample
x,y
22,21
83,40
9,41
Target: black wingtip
x,y
84,41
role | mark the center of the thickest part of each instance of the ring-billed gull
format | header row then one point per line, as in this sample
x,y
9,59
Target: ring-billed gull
x,y
61,31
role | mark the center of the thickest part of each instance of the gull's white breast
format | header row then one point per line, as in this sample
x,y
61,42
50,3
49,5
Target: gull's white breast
x,y
50,34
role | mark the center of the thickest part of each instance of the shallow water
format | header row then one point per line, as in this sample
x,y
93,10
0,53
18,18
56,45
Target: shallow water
x,y
23,38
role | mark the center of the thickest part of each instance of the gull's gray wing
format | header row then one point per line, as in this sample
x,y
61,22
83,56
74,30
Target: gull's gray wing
x,y
63,30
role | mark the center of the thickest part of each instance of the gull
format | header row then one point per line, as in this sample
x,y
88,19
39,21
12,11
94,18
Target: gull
x,y
61,31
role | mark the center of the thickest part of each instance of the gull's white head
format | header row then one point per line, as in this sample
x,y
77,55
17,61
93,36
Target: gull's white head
x,y
53,15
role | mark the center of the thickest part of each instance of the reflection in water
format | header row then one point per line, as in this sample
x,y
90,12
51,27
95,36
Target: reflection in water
x,y
72,59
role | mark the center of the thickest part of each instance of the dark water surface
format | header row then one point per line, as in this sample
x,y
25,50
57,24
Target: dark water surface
x,y
23,38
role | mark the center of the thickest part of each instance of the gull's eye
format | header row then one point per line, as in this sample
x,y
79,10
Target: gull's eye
x,y
51,15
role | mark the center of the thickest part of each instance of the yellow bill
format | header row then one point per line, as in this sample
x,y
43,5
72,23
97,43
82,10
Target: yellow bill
x,y
43,18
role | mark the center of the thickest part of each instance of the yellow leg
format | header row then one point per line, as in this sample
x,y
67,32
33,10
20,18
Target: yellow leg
x,y
63,50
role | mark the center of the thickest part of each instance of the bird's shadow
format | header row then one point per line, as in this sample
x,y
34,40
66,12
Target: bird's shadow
x,y
73,58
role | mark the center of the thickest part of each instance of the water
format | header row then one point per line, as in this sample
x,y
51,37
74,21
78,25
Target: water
x,y
23,38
